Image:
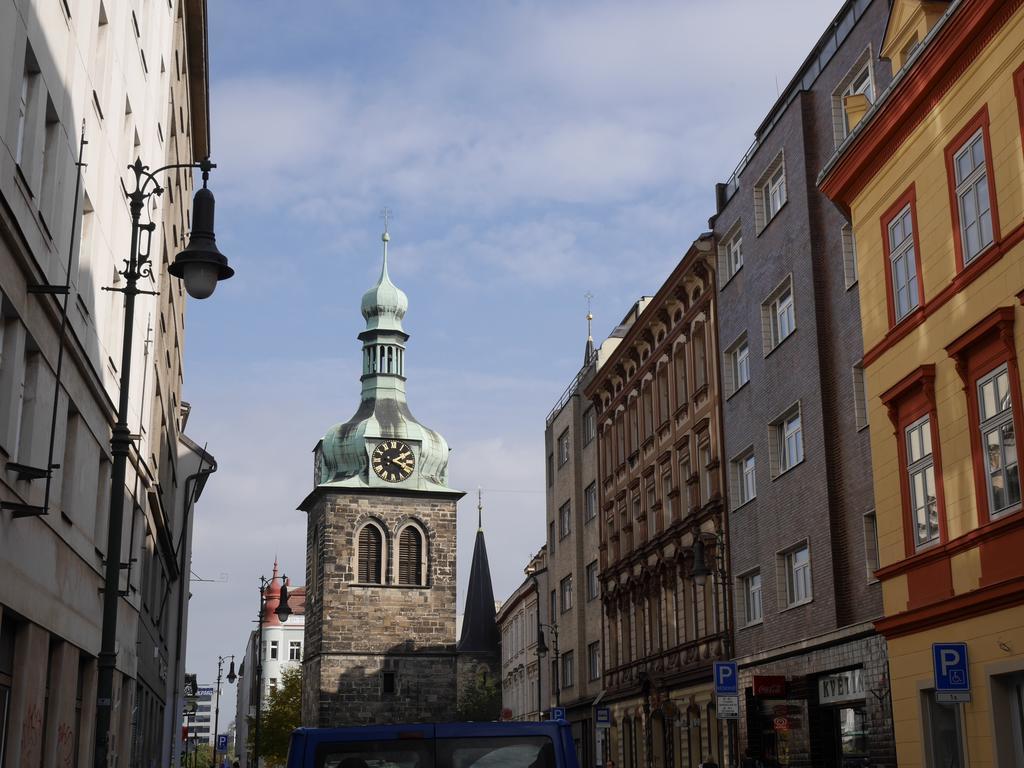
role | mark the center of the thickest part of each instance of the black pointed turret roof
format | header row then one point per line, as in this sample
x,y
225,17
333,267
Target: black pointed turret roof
x,y
479,627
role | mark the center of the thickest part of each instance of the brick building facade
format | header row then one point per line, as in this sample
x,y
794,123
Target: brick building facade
x,y
801,512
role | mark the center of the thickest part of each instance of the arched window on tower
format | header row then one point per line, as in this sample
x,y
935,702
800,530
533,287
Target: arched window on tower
x,y
410,556
370,555
391,354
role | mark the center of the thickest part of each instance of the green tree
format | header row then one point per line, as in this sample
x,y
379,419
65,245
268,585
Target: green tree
x,y
282,714
480,699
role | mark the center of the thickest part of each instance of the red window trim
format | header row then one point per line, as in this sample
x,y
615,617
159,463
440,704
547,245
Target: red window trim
x,y
1018,90
909,197
907,401
986,346
979,121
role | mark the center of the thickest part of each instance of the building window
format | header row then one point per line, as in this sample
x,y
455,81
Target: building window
x,y
592,582
730,254
787,442
663,405
921,476
778,316
387,683
860,400
797,563
944,731
273,649
563,448
564,520
752,610
858,81
972,195
700,358
370,555
294,650
590,502
871,544
737,365
680,371
410,556
903,263
998,441
594,660
589,426
666,493
744,470
567,669
551,469
566,590
770,193
551,537
849,256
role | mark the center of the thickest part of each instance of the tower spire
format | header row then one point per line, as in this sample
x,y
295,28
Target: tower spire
x,y
479,509
588,352
386,214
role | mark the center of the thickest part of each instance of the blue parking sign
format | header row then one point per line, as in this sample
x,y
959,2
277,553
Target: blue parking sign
x,y
952,674
558,713
726,678
222,742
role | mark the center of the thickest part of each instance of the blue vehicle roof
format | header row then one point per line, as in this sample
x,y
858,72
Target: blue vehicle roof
x,y
434,730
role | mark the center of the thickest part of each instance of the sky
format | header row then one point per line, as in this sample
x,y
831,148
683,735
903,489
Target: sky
x,y
531,151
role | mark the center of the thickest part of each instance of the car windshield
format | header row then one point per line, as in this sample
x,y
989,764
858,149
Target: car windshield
x,y
497,752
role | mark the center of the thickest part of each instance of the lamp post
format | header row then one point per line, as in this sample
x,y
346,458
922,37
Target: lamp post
x,y
216,712
283,611
718,568
542,651
200,266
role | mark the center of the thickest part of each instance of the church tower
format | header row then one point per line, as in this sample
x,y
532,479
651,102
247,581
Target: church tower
x,y
380,548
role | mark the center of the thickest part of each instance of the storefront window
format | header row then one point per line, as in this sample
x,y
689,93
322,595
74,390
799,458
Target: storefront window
x,y
6,672
853,737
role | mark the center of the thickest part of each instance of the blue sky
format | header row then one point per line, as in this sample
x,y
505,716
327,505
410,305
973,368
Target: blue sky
x,y
531,151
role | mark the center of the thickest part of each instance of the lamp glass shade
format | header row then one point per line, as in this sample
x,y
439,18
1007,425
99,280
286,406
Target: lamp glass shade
x,y
700,565
283,609
231,673
200,279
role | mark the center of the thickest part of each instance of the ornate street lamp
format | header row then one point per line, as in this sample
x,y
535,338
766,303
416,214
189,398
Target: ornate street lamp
x,y
195,268
216,717
283,611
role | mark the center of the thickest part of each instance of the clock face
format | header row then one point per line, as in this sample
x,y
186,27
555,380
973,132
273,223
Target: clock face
x,y
393,461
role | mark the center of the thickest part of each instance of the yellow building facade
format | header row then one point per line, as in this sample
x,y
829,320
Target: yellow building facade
x,y
933,179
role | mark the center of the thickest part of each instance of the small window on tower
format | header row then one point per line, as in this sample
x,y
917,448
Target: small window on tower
x,y
388,683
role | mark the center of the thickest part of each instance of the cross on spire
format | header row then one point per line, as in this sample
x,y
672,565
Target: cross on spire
x,y
590,315
479,508
387,214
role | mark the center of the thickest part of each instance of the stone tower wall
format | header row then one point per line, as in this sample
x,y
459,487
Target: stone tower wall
x,y
356,633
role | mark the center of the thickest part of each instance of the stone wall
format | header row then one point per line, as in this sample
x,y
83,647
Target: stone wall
x,y
359,636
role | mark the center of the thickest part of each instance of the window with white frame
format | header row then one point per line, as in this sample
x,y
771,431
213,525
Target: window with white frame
x,y
294,650
797,564
566,590
849,255
787,442
666,493
752,608
778,316
568,668
737,366
998,441
564,520
592,581
563,448
594,660
859,82
972,196
744,470
273,649
589,426
590,502
902,263
860,400
770,192
730,254
924,510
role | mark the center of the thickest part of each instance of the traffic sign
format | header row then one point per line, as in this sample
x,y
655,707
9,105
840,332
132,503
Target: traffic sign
x,y
222,742
727,706
952,675
726,678
558,713
603,717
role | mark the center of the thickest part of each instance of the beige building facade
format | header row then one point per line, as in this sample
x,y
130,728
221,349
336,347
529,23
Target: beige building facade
x,y
132,76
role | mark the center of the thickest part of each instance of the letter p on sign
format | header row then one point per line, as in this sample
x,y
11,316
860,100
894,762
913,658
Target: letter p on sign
x,y
726,678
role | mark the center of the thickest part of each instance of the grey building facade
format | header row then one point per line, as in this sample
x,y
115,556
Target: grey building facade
x,y
814,675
